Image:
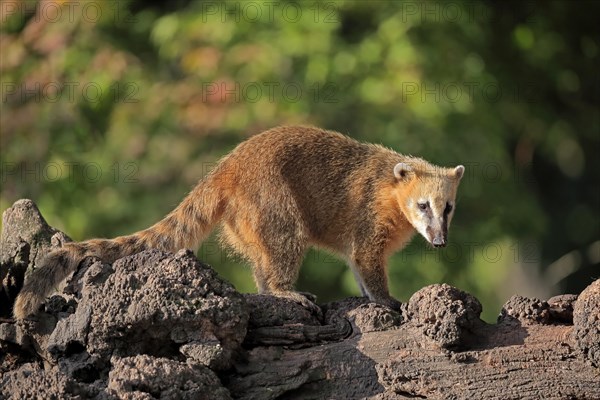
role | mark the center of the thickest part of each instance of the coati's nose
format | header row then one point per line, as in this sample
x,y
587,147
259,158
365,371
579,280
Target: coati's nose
x,y
439,241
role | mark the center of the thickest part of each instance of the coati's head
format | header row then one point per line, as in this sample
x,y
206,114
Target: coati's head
x,y
427,197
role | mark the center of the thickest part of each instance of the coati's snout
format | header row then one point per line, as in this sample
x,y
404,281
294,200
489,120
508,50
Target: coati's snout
x,y
435,231
437,239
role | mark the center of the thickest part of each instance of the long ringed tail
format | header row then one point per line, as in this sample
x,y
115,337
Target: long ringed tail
x,y
186,226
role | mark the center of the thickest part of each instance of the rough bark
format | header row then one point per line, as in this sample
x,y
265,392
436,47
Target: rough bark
x,y
160,325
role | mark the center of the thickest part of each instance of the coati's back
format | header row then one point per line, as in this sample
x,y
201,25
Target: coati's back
x,y
331,177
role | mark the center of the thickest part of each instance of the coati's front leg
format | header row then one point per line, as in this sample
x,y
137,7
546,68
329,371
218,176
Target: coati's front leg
x,y
369,267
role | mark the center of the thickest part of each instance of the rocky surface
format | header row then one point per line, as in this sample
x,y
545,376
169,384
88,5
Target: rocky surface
x,y
561,307
25,238
525,310
160,325
146,377
445,314
169,309
586,321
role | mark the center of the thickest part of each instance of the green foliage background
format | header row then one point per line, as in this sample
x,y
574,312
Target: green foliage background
x,y
111,111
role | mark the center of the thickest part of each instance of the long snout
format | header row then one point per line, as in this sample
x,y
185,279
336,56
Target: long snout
x,y
437,237
439,241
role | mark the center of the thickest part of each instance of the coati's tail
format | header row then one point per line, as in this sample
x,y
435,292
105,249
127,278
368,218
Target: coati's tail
x,y
184,227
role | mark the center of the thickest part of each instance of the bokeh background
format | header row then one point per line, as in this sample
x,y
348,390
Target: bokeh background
x,y
112,110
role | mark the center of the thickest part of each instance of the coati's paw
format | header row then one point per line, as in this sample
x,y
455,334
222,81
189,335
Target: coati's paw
x,y
311,296
301,299
390,302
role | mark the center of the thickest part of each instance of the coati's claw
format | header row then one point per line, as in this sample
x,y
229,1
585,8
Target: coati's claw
x,y
310,296
312,307
303,300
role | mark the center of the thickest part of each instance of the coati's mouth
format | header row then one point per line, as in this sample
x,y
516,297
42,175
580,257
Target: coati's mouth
x,y
438,243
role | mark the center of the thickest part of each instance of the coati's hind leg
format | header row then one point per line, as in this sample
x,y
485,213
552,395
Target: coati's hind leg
x,y
284,287
275,248
248,249
284,248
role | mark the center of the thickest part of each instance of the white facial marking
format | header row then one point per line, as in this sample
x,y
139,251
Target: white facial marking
x,y
423,219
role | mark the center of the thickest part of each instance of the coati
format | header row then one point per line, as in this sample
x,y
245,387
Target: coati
x,y
280,192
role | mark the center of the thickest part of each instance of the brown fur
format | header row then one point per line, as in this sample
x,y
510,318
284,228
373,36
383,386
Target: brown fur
x,y
277,194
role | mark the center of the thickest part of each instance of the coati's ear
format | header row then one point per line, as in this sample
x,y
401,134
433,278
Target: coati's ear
x,y
459,171
401,170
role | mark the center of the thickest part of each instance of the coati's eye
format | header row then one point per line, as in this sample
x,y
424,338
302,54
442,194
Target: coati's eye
x,y
448,208
423,206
